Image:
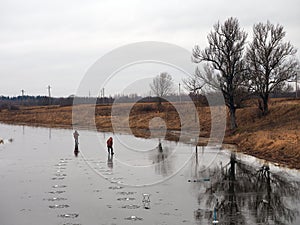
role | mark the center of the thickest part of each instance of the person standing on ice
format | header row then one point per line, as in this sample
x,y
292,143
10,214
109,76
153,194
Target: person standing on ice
x,y
76,135
109,144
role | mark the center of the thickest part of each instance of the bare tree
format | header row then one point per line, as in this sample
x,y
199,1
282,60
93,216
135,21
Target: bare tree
x,y
193,82
270,61
162,85
224,58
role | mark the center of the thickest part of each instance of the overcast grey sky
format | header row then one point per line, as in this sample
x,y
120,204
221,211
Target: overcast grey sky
x,y
54,42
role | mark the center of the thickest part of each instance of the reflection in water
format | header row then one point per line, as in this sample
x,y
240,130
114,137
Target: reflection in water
x,y
160,149
76,149
76,152
162,161
242,194
76,136
110,158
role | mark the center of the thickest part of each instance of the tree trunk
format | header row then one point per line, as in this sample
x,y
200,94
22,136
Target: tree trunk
x,y
159,105
233,124
265,105
159,101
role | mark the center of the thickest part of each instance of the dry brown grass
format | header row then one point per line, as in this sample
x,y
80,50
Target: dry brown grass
x,y
275,137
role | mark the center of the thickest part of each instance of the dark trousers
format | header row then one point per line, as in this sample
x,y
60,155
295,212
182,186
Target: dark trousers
x,y
110,149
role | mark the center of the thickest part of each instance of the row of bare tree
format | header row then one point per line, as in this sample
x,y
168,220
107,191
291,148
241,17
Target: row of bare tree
x,y
238,68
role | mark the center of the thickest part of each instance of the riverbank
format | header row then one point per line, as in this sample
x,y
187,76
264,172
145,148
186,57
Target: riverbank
x,y
275,137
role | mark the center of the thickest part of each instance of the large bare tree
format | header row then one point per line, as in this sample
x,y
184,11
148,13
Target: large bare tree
x,y
224,61
162,85
270,61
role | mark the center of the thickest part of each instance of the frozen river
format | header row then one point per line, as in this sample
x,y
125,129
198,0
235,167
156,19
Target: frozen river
x,y
43,182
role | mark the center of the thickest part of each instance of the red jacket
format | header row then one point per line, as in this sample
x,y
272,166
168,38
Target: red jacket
x,y
109,142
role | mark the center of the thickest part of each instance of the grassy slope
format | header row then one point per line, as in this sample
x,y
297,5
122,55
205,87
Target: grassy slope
x,y
274,137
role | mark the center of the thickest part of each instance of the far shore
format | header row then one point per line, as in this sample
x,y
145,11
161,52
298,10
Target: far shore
x,y
275,137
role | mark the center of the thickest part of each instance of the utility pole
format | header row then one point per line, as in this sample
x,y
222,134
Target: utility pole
x,y
102,93
179,93
22,91
49,94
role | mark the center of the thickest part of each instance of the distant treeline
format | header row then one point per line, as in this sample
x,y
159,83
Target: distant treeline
x,y
13,103
44,101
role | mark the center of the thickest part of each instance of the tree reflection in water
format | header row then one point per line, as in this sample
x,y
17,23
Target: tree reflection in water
x,y
243,194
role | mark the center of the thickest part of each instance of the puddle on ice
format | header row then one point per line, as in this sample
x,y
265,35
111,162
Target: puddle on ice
x,y
107,173
60,174
125,199
25,210
126,193
117,178
56,192
71,215
59,186
104,170
56,199
61,164
115,181
58,206
57,178
133,218
130,206
115,187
